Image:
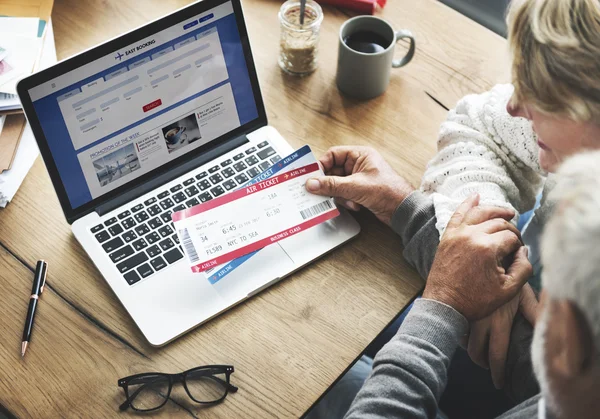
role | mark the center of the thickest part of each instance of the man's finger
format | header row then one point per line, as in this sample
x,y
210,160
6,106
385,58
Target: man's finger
x,y
336,186
481,214
528,304
477,347
518,273
499,341
461,211
499,224
351,205
507,242
339,156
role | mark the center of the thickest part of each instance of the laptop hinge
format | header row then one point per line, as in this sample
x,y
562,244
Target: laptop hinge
x,y
174,173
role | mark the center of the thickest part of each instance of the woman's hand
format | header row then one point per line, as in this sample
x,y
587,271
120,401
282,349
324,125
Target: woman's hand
x,y
359,176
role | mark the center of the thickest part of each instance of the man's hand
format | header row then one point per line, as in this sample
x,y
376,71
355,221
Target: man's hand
x,y
489,338
468,271
359,176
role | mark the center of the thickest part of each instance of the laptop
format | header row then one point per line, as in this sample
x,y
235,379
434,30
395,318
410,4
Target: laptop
x,y
160,119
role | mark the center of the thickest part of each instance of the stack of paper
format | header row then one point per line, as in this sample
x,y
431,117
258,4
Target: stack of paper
x,y
27,151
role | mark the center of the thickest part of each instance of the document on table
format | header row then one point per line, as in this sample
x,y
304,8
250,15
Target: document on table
x,y
250,218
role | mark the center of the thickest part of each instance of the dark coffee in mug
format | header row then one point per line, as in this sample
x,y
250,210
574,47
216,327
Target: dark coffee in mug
x,y
367,42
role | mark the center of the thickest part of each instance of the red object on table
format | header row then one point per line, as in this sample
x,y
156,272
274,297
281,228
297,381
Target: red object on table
x,y
362,6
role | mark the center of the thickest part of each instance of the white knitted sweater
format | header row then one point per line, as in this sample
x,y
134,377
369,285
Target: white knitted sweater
x,y
481,148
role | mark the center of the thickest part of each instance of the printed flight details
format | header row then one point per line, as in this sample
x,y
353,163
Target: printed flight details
x,y
251,218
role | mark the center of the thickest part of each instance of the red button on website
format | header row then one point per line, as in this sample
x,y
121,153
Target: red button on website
x,y
152,105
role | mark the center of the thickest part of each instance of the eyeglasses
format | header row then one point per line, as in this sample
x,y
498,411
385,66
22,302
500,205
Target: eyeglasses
x,y
150,391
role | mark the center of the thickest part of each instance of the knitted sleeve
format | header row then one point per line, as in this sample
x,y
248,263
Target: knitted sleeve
x,y
482,149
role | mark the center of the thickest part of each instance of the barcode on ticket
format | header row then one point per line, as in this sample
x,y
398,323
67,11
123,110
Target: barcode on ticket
x,y
316,209
189,246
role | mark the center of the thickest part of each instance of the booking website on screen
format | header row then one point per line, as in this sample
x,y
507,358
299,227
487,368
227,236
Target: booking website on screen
x,y
125,114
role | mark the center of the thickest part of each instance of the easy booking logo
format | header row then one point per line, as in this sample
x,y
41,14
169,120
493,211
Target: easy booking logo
x,y
137,48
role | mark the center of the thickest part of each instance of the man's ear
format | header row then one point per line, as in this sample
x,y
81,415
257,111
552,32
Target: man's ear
x,y
572,346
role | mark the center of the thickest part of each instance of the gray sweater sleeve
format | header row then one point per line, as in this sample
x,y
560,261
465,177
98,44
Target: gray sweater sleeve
x,y
410,372
414,221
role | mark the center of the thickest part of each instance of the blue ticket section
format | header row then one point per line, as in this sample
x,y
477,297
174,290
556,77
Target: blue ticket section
x,y
220,272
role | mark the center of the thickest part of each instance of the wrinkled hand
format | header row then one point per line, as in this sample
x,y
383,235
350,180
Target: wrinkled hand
x,y
468,271
489,338
359,176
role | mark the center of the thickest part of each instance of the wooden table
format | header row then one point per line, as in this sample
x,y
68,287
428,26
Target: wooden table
x,y
291,342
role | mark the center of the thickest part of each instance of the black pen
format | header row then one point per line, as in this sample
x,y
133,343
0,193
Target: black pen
x,y
39,280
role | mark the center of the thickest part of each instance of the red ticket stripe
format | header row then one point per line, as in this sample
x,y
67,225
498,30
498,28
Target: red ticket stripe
x,y
203,266
248,190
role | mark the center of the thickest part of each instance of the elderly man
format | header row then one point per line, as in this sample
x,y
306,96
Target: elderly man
x,y
409,373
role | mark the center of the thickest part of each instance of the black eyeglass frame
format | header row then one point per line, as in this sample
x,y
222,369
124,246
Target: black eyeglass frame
x,y
179,378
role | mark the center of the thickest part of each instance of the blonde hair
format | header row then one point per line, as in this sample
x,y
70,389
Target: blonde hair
x,y
556,56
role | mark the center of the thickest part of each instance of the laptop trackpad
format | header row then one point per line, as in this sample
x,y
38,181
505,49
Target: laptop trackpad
x,y
266,265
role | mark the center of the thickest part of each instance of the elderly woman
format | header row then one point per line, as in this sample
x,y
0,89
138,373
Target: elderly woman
x,y
503,144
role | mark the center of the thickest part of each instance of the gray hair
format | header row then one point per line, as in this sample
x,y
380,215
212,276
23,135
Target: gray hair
x,y
571,241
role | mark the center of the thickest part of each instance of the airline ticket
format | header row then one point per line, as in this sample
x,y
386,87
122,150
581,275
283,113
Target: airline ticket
x,y
251,218
301,157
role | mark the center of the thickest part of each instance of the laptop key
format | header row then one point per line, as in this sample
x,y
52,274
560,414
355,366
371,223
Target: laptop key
x,y
121,254
238,156
216,178
154,210
203,185
167,203
201,175
166,244
153,250
241,178
205,197
153,237
165,231
251,150
142,229
113,244
253,172
175,238
191,191
158,263
137,208
128,223
192,202
166,216
115,230
188,182
217,191
155,223
110,221
275,159
264,166
141,216
124,214
129,236
227,173
240,166
250,161
267,152
97,228
139,244
163,195
132,262
149,202
131,277
176,188
178,208
179,197
173,256
229,184
263,144
213,169
145,270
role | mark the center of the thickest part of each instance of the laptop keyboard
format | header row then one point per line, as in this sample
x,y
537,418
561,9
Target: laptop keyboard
x,y
142,239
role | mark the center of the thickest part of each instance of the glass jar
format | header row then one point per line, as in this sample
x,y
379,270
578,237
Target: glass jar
x,y
299,43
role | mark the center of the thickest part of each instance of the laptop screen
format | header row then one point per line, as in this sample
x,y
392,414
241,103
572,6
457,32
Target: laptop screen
x,y
142,106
